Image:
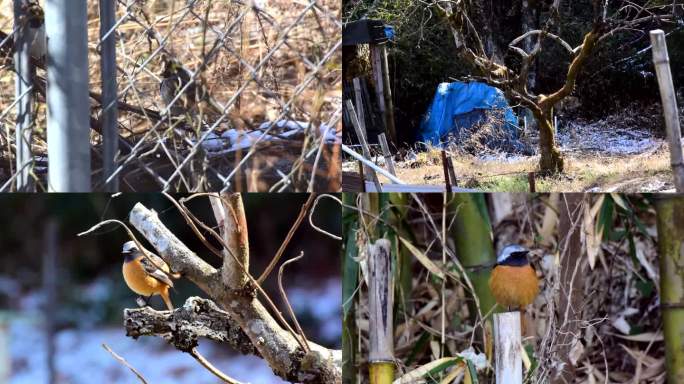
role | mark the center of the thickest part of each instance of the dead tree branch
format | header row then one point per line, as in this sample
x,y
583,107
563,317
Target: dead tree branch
x,y
274,344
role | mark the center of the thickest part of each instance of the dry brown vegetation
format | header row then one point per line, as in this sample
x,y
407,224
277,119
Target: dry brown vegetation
x,y
276,62
646,172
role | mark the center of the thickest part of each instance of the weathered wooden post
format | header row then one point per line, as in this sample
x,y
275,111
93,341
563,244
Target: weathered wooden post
x,y
380,307
667,95
507,346
445,166
374,33
389,161
355,119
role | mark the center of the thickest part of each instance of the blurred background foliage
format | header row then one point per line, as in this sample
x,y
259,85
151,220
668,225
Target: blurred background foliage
x,y
91,290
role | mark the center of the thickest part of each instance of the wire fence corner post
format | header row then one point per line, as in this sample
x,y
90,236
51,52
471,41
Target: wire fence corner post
x,y
24,95
68,119
110,115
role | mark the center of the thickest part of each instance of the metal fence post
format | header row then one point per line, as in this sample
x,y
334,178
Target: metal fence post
x,y
110,116
68,120
24,94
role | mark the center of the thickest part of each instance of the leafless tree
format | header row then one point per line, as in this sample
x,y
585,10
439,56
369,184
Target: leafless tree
x,y
608,20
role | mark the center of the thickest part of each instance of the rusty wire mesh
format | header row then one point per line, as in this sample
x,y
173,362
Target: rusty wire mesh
x,y
270,70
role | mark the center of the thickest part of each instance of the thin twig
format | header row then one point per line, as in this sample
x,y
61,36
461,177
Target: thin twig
x,y
124,362
287,302
206,364
283,246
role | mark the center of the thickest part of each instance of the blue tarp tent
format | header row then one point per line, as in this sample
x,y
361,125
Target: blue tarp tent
x,y
461,105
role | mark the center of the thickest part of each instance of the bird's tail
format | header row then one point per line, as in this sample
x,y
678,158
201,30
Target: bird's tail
x,y
167,300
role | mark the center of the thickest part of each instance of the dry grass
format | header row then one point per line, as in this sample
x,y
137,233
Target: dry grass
x,y
617,306
288,85
584,172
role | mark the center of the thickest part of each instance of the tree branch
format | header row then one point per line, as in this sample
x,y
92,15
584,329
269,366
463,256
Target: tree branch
x,y
185,325
275,345
229,212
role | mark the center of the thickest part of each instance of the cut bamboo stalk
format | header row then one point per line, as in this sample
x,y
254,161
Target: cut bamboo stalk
x,y
670,246
380,306
364,143
389,161
667,95
507,343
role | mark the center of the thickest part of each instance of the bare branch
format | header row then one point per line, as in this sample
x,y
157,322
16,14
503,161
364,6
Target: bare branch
x,y
290,233
124,362
277,346
183,326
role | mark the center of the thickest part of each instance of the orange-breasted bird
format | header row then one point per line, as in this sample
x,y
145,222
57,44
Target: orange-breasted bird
x,y
514,283
144,276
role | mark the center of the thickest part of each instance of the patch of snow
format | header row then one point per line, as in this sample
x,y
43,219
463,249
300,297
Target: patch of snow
x,y
80,358
232,139
606,138
323,302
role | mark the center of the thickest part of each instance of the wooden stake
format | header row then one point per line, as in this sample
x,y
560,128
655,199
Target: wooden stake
x,y
532,181
389,161
363,178
445,166
452,172
507,343
667,95
380,306
364,144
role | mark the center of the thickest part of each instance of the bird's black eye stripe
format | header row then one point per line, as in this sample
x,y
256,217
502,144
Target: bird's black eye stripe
x,y
520,253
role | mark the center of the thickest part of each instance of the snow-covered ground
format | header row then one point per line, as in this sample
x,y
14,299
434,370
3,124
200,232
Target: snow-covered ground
x,y
80,357
608,139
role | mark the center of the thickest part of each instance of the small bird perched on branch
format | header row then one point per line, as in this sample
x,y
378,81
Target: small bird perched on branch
x,y
147,276
175,77
514,283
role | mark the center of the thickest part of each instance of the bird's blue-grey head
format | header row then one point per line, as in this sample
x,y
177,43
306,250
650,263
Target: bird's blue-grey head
x,y
130,250
513,255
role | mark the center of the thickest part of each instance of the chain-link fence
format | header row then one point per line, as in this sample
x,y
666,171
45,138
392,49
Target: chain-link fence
x,y
210,95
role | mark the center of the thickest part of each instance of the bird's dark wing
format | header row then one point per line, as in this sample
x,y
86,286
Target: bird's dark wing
x,y
153,271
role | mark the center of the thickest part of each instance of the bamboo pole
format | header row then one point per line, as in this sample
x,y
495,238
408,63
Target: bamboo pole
x,y
667,95
507,344
370,164
355,119
670,244
389,161
380,306
350,268
382,88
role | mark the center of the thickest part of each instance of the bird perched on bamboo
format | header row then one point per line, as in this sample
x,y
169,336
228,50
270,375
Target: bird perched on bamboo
x,y
193,97
147,275
514,283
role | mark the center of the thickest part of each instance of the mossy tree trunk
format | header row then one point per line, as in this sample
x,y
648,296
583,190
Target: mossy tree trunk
x,y
670,224
551,160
